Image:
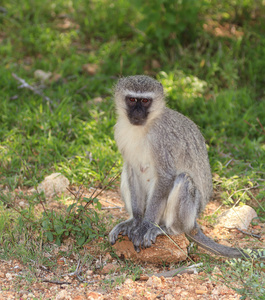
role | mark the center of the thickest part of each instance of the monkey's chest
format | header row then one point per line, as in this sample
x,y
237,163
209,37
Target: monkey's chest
x,y
143,167
146,175
136,151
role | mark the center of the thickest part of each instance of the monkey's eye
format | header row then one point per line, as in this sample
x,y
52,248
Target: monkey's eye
x,y
133,99
146,101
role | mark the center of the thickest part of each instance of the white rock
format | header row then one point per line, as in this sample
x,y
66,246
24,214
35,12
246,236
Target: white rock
x,y
63,295
53,184
153,281
30,295
237,217
8,276
169,297
42,75
22,204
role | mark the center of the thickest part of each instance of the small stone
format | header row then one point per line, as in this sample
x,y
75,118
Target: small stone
x,y
128,281
98,264
53,184
144,277
200,292
89,272
109,268
8,276
61,261
154,281
17,269
42,75
237,217
169,297
79,298
63,295
94,295
22,204
90,69
107,257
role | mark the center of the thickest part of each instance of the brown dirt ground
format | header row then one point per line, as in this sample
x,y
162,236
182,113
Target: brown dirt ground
x,y
96,281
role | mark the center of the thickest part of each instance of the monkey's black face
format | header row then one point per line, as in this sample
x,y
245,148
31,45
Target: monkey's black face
x,y
137,109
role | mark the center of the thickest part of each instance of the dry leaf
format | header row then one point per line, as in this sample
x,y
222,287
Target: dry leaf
x,y
90,69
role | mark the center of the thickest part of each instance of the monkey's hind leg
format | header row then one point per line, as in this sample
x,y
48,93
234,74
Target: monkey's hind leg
x,y
183,205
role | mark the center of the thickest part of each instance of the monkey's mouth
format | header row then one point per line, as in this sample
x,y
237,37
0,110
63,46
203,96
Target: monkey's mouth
x,y
137,121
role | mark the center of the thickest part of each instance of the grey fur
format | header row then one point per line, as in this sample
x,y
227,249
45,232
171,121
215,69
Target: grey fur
x,y
166,177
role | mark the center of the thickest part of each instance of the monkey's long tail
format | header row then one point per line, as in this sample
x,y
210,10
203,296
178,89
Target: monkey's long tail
x,y
207,243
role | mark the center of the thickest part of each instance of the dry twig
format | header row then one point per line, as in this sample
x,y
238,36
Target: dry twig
x,y
77,270
179,271
249,233
260,125
25,85
55,281
111,207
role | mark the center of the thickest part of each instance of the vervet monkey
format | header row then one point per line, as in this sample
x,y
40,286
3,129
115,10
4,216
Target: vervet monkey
x,y
166,178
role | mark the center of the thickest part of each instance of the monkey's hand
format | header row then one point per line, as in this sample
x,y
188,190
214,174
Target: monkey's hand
x,y
125,228
144,235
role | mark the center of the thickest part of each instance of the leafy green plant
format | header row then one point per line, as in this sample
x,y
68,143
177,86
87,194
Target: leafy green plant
x,y
80,223
182,90
249,275
80,220
169,23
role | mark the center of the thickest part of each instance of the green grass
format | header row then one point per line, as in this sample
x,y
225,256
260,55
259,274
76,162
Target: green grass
x,y
216,80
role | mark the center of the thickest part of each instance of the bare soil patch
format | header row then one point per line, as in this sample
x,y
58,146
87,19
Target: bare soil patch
x,y
102,277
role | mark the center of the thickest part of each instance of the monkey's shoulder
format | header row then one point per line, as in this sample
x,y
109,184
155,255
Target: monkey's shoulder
x,y
173,123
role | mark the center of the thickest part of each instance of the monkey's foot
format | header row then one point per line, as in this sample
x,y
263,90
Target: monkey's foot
x,y
144,235
124,228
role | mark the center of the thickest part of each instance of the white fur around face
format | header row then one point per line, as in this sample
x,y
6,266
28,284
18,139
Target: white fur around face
x,y
134,94
155,111
132,142
134,145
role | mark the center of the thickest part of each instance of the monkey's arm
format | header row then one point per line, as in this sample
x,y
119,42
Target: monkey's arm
x,y
145,233
133,196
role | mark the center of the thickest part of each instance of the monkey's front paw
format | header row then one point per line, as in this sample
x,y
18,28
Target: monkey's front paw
x,y
145,235
124,228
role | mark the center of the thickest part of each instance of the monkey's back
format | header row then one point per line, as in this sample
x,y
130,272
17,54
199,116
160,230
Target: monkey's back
x,y
179,145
